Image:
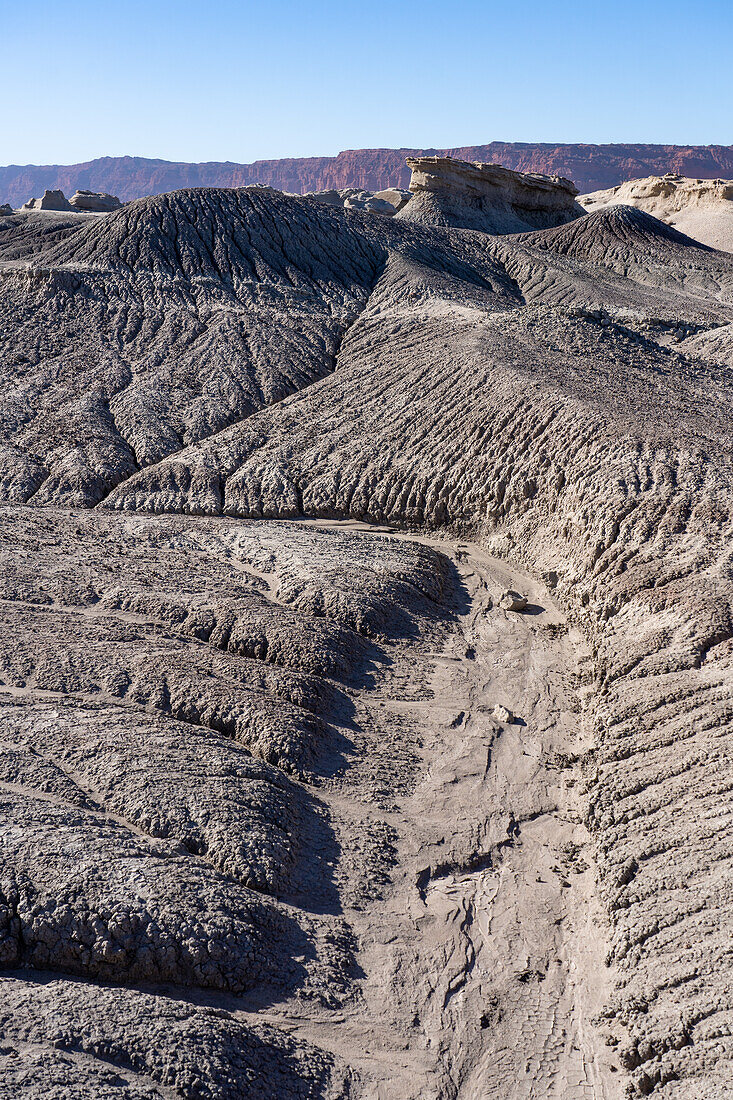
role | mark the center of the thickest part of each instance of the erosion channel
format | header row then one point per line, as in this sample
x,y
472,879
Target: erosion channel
x,y
483,960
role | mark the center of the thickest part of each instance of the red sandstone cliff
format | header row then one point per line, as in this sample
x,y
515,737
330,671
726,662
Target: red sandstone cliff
x,y
591,167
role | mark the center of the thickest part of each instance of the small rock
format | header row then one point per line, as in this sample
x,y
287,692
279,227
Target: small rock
x,y
503,714
513,601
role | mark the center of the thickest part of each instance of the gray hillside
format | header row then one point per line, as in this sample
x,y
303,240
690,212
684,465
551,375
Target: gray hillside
x,y
367,664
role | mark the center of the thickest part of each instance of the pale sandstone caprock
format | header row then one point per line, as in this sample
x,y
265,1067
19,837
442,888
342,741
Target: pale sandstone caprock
x,y
703,209
486,197
50,200
294,809
95,201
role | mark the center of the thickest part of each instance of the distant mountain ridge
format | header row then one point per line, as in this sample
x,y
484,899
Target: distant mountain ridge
x,y
591,167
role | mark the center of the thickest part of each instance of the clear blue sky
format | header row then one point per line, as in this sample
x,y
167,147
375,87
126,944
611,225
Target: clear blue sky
x,y
222,80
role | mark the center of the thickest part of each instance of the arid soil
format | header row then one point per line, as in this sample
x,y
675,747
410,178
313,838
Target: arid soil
x,y
490,930
366,671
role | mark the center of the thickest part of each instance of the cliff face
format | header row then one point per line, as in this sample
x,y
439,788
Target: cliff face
x,y
591,167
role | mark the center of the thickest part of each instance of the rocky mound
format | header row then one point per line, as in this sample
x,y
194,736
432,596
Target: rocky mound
x,y
50,200
174,317
486,197
94,201
215,723
702,209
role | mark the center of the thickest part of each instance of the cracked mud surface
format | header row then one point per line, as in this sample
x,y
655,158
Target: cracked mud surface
x,y
293,804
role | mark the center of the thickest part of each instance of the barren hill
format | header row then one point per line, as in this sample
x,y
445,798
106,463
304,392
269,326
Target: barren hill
x,y
591,167
366,666
701,208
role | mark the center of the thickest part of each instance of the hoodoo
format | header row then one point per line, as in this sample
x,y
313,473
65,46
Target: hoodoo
x,y
50,200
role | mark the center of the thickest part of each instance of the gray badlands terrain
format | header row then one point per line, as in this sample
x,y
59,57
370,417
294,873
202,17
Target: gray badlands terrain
x,y
368,650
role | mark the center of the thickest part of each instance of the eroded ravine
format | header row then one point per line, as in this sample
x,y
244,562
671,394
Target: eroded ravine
x,y
483,960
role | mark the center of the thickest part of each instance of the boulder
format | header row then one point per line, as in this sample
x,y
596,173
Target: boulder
x,y
51,200
330,197
98,202
354,198
5,209
395,196
487,197
366,201
513,601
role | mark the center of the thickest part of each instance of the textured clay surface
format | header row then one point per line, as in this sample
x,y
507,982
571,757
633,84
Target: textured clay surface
x,y
367,653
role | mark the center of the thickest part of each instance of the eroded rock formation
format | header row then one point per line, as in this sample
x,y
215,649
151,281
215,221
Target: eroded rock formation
x,y
94,201
50,200
487,197
301,808
352,198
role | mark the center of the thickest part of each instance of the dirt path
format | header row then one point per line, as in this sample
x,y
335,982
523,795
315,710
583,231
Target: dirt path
x,y
483,962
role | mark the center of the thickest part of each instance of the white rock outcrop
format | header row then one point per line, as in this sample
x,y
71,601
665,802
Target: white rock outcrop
x,y
702,209
50,200
97,202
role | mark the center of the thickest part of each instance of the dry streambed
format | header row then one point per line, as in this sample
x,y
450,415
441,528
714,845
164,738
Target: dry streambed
x,y
483,959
